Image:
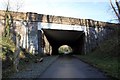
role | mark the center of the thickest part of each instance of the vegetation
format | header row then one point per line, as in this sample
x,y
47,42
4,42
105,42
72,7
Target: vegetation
x,y
8,48
116,8
13,57
105,57
65,49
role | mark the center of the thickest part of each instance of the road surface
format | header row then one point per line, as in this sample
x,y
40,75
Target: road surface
x,y
71,67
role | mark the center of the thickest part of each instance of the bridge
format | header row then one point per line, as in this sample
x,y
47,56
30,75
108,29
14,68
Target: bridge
x,y
40,33
44,34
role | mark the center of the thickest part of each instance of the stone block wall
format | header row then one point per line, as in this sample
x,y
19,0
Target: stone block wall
x,y
27,25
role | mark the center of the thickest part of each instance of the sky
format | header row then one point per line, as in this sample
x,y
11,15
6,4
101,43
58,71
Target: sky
x,y
83,9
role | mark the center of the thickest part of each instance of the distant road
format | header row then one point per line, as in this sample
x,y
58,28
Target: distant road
x,y
70,67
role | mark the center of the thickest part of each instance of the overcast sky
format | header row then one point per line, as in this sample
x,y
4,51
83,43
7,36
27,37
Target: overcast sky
x,y
84,9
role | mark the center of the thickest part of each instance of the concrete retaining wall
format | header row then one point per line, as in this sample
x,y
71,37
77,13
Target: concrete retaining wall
x,y
28,24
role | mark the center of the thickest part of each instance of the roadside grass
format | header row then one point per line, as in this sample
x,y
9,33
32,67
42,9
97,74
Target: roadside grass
x,y
105,57
107,65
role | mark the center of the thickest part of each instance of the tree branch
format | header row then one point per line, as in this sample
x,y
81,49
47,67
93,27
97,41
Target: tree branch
x,y
117,14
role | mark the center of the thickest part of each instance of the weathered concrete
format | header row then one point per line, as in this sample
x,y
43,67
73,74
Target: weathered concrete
x,y
27,25
35,17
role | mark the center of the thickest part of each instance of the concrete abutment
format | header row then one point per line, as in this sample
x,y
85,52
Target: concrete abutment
x,y
29,26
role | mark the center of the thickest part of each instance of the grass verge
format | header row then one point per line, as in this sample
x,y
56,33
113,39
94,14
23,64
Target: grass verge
x,y
106,57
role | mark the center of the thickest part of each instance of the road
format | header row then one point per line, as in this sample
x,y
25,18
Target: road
x,y
71,67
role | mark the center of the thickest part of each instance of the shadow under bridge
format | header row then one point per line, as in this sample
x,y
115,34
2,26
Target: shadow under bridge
x,y
72,38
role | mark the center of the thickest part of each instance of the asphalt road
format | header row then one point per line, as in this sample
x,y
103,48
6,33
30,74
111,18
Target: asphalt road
x,y
71,67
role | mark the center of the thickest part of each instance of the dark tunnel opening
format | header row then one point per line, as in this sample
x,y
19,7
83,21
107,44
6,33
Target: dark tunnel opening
x,y
74,39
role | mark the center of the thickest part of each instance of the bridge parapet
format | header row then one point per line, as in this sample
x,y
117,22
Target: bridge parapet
x,y
35,17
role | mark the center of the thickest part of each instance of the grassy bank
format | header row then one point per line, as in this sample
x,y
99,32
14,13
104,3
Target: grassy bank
x,y
105,57
7,56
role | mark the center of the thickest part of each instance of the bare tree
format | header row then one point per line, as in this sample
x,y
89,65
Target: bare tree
x,y
9,26
116,8
7,17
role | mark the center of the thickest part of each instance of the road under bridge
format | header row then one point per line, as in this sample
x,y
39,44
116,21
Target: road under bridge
x,y
72,38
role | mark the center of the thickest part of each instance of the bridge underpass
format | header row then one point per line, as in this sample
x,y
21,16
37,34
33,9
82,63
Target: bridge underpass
x,y
72,38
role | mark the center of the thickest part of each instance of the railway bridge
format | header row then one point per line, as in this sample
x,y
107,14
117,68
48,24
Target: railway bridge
x,y
46,33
